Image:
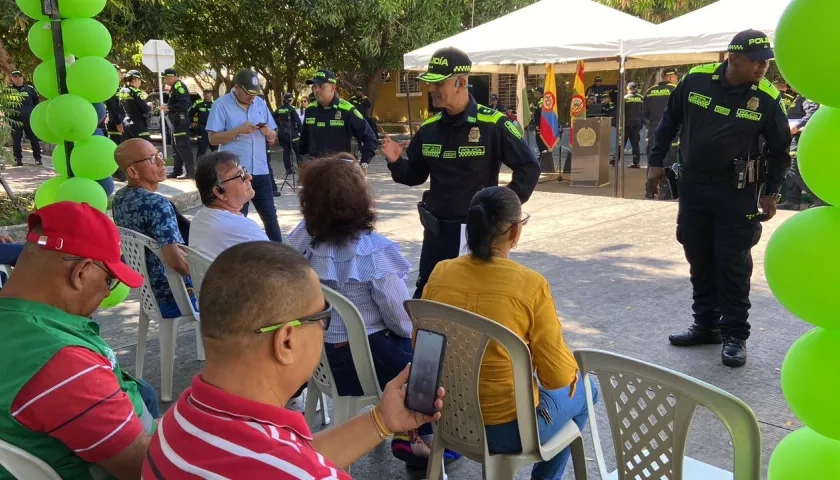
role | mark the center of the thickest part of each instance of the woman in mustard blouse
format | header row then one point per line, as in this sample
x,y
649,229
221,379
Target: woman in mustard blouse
x,y
488,283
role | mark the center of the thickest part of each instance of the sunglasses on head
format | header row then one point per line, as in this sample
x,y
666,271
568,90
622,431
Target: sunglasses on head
x,y
324,317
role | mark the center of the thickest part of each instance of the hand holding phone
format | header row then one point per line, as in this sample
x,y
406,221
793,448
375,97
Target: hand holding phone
x,y
392,410
426,369
261,124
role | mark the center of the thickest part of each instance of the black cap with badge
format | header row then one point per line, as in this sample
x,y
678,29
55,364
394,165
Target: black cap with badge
x,y
17,73
321,77
445,63
248,81
752,43
170,72
669,71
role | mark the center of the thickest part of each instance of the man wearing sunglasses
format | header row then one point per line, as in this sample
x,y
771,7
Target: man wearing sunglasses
x,y
64,397
241,123
263,332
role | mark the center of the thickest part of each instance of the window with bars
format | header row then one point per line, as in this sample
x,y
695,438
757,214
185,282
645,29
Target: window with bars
x,y
386,77
535,80
412,84
506,89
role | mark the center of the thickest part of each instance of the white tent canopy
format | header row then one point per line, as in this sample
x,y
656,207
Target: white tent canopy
x,y
700,36
535,35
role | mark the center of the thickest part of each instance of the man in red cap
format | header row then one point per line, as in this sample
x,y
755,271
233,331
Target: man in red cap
x,y
64,397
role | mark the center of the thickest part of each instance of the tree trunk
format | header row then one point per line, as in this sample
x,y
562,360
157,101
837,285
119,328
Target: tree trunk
x,y
372,83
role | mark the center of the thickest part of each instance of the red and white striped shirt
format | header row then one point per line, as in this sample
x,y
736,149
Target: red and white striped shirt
x,y
215,435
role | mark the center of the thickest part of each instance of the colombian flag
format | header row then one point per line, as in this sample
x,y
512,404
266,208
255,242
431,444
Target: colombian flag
x,y
578,105
549,122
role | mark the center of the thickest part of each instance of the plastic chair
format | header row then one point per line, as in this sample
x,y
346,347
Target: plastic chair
x,y
136,248
650,409
322,381
23,465
461,427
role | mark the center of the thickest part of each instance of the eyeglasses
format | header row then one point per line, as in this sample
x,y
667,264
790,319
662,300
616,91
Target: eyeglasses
x,y
324,317
242,175
523,221
152,159
111,280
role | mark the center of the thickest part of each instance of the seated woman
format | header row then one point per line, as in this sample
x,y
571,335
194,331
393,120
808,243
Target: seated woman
x,y
489,284
224,187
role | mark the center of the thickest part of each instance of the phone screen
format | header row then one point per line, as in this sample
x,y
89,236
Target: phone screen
x,y
424,379
261,124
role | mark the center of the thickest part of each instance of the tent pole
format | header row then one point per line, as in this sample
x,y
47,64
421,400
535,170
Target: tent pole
x,y
618,188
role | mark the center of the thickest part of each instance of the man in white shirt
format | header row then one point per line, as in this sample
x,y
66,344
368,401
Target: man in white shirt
x,y
224,186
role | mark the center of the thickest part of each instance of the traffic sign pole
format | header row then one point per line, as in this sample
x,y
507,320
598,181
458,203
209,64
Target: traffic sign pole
x,y
160,94
158,56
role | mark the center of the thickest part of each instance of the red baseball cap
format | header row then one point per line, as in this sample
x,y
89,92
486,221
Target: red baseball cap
x,y
82,231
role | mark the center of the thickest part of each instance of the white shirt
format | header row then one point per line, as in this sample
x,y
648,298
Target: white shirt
x,y
212,231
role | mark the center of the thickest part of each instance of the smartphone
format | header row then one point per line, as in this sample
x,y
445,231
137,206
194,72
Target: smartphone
x,y
426,369
261,124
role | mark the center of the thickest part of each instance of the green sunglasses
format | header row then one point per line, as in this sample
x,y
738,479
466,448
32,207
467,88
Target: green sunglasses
x,y
324,317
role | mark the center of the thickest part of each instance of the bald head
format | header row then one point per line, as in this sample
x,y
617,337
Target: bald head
x,y
141,163
132,150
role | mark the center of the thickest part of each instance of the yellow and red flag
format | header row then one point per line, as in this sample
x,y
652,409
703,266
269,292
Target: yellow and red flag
x,y
549,120
578,104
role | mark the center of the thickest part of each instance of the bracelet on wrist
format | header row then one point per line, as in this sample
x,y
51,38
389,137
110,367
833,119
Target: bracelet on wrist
x,y
381,429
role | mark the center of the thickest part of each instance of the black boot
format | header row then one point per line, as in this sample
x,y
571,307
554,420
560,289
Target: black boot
x,y
734,352
695,335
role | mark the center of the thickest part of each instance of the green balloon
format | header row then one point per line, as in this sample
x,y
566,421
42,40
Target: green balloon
x,y
71,117
80,8
40,40
59,158
816,154
38,122
85,37
31,8
93,158
812,23
117,296
805,454
809,374
92,78
46,79
83,190
802,265
46,193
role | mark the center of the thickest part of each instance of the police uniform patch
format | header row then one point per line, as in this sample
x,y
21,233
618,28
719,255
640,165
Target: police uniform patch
x,y
474,135
338,115
753,104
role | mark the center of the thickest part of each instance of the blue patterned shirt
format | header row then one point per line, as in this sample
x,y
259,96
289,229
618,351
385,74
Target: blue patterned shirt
x,y
152,215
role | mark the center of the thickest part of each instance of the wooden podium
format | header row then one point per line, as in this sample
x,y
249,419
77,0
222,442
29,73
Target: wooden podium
x,y
591,152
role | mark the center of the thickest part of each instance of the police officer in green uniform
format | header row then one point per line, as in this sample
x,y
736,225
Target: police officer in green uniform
x,y
721,110
363,104
633,121
787,96
177,111
288,130
794,183
135,106
462,149
536,118
656,99
199,113
332,122
27,100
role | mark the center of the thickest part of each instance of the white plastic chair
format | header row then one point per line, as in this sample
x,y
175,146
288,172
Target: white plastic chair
x,y
322,381
23,465
650,409
7,270
136,248
461,427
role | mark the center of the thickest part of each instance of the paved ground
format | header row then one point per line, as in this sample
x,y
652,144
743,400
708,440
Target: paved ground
x,y
620,283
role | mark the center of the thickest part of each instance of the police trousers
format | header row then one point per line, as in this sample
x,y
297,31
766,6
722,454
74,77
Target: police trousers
x,y
181,144
204,142
135,128
439,245
717,237
18,129
632,133
113,133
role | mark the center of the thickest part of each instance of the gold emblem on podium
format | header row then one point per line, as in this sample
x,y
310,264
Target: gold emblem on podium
x,y
586,137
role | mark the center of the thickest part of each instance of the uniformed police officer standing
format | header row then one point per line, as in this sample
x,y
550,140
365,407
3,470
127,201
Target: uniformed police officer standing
x,y
597,88
331,122
135,106
633,121
177,111
462,149
653,106
787,96
723,109
363,104
28,100
288,130
536,118
801,110
116,116
199,113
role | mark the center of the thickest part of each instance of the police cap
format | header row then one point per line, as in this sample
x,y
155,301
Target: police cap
x,y
321,77
752,43
248,81
631,85
598,79
170,72
288,96
17,73
208,90
444,63
778,79
668,71
132,74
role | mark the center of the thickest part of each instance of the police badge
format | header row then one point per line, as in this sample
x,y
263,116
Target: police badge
x,y
474,135
338,115
753,104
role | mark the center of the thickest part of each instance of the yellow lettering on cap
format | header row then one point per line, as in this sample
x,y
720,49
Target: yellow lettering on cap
x,y
439,61
759,41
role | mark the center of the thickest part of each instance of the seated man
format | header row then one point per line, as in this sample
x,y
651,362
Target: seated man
x,y
137,207
224,187
263,331
64,397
